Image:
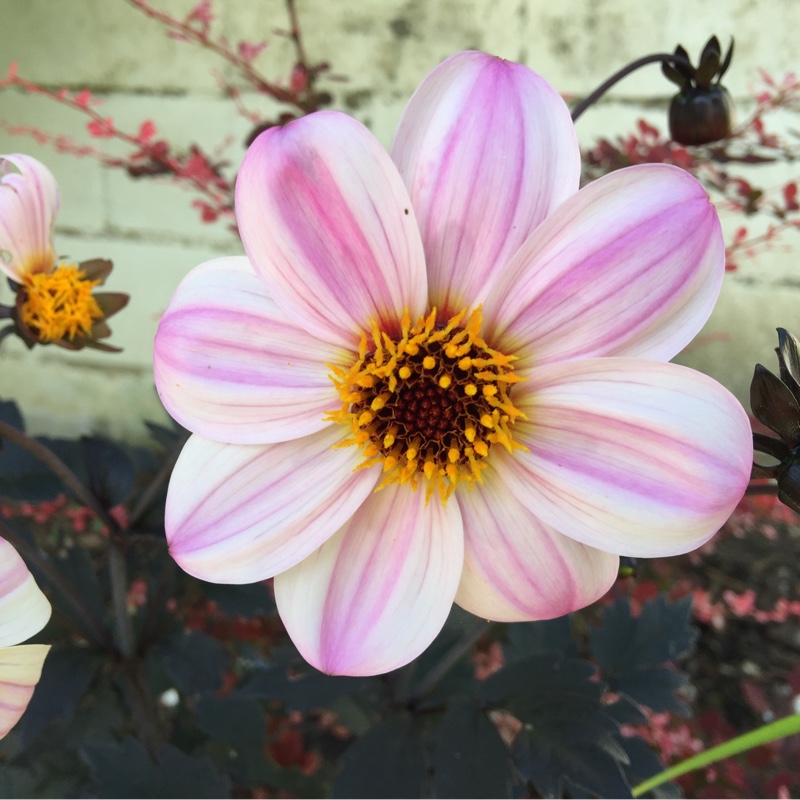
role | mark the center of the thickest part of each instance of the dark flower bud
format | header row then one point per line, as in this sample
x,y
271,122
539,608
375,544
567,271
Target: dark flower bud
x,y
776,403
702,112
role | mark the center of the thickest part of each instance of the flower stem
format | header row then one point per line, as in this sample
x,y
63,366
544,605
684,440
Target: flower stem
x,y
60,470
151,490
664,58
118,577
449,660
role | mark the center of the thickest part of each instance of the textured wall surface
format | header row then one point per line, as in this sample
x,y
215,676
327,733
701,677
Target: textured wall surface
x,y
382,48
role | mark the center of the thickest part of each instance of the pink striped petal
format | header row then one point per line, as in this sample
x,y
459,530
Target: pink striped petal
x,y
24,610
231,367
630,266
633,457
377,593
328,224
516,568
242,513
629,456
29,201
487,150
20,670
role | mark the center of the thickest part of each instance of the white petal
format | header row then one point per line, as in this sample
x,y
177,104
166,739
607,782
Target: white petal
x,y
377,593
516,567
231,367
242,513
20,670
29,201
24,610
630,456
327,223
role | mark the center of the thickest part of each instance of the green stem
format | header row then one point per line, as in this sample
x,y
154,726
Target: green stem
x,y
779,729
664,58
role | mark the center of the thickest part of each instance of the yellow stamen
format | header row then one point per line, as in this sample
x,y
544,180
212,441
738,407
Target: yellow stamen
x,y
415,403
59,304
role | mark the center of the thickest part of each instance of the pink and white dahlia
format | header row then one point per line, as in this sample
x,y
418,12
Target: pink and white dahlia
x,y
55,303
441,374
24,610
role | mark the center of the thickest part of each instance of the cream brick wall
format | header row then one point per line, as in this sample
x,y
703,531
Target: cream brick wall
x,y
383,48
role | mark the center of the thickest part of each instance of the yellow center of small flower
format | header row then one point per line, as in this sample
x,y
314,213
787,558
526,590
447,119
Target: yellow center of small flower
x,y
430,405
59,304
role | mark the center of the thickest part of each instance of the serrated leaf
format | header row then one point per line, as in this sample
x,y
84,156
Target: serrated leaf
x,y
460,678
541,674
194,661
661,633
654,687
66,677
644,764
535,638
124,769
470,759
581,762
245,600
626,711
301,687
387,761
234,719
25,477
110,469
631,651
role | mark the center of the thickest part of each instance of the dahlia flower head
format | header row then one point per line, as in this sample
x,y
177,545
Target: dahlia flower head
x,y
55,302
440,374
24,611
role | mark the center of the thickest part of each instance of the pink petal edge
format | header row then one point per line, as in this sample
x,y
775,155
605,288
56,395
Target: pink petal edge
x,y
487,150
630,266
20,671
243,513
327,223
377,593
633,457
24,609
231,367
516,568
29,202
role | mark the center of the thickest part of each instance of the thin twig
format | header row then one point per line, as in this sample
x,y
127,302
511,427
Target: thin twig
x,y
221,49
664,58
152,489
156,604
294,33
81,492
449,660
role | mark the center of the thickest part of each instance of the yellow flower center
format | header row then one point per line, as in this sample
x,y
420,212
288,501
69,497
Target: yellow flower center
x,y
59,304
429,406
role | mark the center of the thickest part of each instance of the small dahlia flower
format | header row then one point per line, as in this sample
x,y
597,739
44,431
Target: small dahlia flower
x,y
441,374
54,299
24,610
